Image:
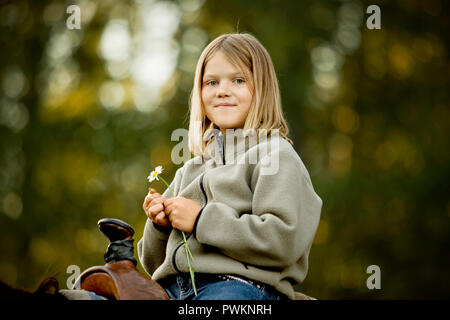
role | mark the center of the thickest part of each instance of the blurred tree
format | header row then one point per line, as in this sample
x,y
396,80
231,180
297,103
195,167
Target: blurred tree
x,y
86,114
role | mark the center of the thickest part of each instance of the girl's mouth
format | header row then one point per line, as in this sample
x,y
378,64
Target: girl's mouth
x,y
225,105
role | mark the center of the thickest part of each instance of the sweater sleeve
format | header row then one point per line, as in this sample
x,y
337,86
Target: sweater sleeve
x,y
284,219
152,245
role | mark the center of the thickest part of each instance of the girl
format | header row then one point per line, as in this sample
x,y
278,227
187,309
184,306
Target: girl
x,y
249,229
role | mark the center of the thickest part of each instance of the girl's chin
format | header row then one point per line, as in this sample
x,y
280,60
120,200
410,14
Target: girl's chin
x,y
228,126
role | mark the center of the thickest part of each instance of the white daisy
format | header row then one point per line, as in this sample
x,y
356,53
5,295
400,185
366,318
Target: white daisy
x,y
154,174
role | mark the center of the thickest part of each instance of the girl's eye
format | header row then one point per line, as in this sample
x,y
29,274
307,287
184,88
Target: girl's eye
x,y
211,82
239,81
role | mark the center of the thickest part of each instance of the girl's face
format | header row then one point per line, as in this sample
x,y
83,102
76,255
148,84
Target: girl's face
x,y
225,93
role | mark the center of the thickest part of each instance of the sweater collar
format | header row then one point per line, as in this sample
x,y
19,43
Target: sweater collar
x,y
226,147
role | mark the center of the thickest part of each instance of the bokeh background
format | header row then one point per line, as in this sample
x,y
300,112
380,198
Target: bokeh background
x,y
86,114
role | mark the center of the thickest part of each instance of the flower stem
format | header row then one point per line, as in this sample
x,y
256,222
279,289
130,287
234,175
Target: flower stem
x,y
188,251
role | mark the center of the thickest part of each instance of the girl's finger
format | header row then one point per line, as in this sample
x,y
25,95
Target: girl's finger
x,y
161,219
149,197
145,203
155,210
168,208
154,196
158,200
169,203
149,200
169,216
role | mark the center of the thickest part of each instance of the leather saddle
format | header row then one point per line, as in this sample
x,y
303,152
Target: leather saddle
x,y
119,279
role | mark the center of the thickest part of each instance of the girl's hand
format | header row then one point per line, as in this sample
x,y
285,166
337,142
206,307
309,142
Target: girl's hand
x,y
182,213
154,208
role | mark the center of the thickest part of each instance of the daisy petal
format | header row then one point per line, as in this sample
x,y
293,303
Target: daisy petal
x,y
154,174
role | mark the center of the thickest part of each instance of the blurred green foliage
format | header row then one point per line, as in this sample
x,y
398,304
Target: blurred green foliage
x,y
85,114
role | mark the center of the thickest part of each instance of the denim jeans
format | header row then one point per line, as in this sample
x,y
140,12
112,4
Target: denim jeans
x,y
212,287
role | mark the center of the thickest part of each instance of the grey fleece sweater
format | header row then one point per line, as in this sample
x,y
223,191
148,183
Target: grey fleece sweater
x,y
258,219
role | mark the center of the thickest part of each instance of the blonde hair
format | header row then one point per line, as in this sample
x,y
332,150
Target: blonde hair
x,y
248,54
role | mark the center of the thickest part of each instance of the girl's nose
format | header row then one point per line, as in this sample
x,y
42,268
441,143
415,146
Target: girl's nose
x,y
222,89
